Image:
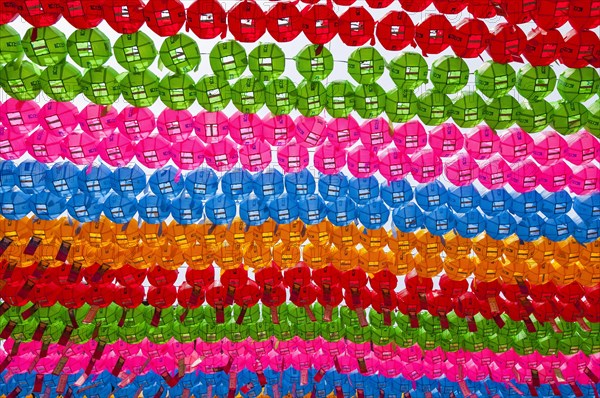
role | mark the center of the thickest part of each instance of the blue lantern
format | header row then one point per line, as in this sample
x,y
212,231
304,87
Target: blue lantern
x,y
558,228
341,212
129,181
120,209
186,209
587,206
374,214
311,209
495,201
430,196
201,183
237,183
15,205
268,183
586,231
47,206
408,218
300,183
555,204
469,224
254,211
167,182
500,226
8,175
362,190
283,208
526,203
332,186
464,198
84,208
31,176
153,209
220,209
396,193
439,221
530,227
95,180
63,179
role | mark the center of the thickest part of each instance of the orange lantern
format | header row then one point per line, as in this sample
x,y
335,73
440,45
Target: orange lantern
x,y
18,231
199,256
344,258
44,231
589,274
486,247
266,234
456,246
428,244
428,266
210,234
538,273
567,251
316,256
127,235
153,235
141,257
286,256
238,233
169,257
401,242
513,272
516,249
544,249
318,234
460,268
98,233
590,252
373,238
373,260
183,236
108,256
228,256
293,233
564,274
344,236
256,256
404,262
486,269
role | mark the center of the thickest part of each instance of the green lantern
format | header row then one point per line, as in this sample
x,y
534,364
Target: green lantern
x,y
468,109
430,323
569,329
185,333
485,327
261,330
450,342
366,65
369,100
457,324
53,331
428,341
523,343
160,334
140,89
283,331
401,105
591,345
24,330
252,313
45,46
472,342
180,53
266,62
177,91
409,70
54,313
248,94
547,345
228,59
593,121
281,96
535,82
377,320
332,331
569,117
311,98
193,316
382,335
210,314
101,85
449,74
349,317
89,48
434,107
502,112
282,313
61,82
135,52
213,93
297,315
133,334
20,80
319,312
570,345
495,80
339,98
314,62
358,334
578,85
10,44
110,314
535,116
108,333
211,332
407,337
83,333
167,315
497,343
308,331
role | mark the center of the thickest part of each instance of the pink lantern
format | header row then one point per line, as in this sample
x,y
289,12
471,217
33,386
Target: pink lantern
x,y
483,357
106,362
19,116
284,347
362,162
13,144
80,149
436,355
386,352
308,346
116,150
459,357
278,130
153,152
125,349
376,134
434,370
524,176
136,123
245,128
410,137
493,173
161,364
426,166
582,148
475,372
188,154
555,177
347,363
342,132
175,126
549,147
58,118
411,354
334,348
234,348
482,142
222,155
394,164
446,139
322,361
391,368
585,179
258,348
500,374
413,371
255,156
461,169
152,349
293,157
99,121
310,131
213,363
358,350
205,349
211,127
515,145
531,361
329,159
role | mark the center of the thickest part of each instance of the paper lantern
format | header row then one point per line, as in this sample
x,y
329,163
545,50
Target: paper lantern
x,y
236,183
495,80
314,63
20,80
585,179
126,181
515,145
374,214
45,47
449,74
469,109
180,54
535,116
266,62
153,209
408,218
434,107
494,172
502,112
535,82
62,179
580,49
135,51
319,23
165,182
43,146
164,18
284,22
395,30
186,210
329,159
101,85
439,221
409,70
11,44
401,105
430,196
470,38
268,183
89,48
588,206
135,123
177,91
98,121
432,34
292,157
550,14
495,201
247,21
426,166
278,130
281,96
582,148
578,85
220,209
445,139
124,16
300,183
61,82
248,95
481,142
311,98
120,209
211,127
153,152
341,212
462,199
393,164
206,19
569,117
461,170
221,156
19,117
255,156
201,182
500,226
410,136
254,211
175,126
140,89
558,228
362,162
356,26
375,134
333,186
543,47
83,14
228,60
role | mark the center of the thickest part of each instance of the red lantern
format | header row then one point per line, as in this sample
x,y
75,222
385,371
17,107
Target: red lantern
x,y
83,14
296,277
551,14
74,295
385,306
200,277
247,21
452,288
164,17
305,297
571,293
518,313
415,5
246,296
356,26
284,22
580,49
543,47
129,297
418,285
489,292
357,299
470,38
329,299
481,8
507,43
592,294
590,312
327,279
439,304
161,298
39,13
99,296
467,306
432,34
8,12
124,16
98,273
129,276
584,14
409,304
319,23
379,3
450,6
542,292
232,279
207,19
516,11
189,297
159,276
395,30
546,312
353,282
275,298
